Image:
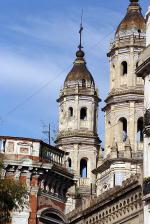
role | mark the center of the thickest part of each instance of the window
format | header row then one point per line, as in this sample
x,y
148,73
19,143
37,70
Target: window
x,y
2,145
83,168
52,216
123,129
83,113
83,83
140,135
70,112
124,68
119,177
69,163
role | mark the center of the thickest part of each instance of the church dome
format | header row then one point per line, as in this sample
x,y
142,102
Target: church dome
x,y
79,72
133,21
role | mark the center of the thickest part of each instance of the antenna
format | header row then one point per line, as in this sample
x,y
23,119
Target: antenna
x,y
48,133
80,31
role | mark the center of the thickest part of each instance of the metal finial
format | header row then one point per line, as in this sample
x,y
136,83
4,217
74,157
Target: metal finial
x,y
80,32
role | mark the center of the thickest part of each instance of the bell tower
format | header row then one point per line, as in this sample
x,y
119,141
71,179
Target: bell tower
x,y
78,114
124,104
124,108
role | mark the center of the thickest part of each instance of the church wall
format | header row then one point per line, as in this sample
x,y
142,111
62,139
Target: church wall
x,y
115,175
74,122
118,205
131,111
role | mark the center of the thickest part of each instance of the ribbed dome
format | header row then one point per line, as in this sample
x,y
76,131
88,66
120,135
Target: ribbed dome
x,y
133,20
79,71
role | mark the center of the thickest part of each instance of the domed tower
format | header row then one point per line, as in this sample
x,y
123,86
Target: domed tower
x,y
124,104
124,108
78,113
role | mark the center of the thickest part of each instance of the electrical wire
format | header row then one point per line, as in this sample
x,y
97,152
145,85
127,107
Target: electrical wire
x,y
36,92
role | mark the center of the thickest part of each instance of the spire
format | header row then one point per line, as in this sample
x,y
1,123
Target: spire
x,y
80,53
79,71
80,32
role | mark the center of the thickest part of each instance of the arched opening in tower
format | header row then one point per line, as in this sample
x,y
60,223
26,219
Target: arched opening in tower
x,y
83,168
70,112
69,163
83,113
124,68
123,129
83,83
140,135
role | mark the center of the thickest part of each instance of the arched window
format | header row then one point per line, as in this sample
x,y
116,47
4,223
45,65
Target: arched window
x,y
69,163
70,112
83,83
140,135
123,129
83,113
52,216
2,145
83,168
124,68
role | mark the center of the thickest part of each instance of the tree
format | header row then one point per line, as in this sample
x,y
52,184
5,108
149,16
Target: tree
x,y
13,195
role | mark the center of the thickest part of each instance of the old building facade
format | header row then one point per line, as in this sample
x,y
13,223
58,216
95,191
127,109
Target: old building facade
x,y
42,168
105,190
143,71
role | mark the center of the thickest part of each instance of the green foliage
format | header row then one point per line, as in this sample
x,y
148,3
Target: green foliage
x,y
13,195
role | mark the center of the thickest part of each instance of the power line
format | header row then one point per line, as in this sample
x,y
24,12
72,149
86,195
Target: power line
x,y
46,84
34,93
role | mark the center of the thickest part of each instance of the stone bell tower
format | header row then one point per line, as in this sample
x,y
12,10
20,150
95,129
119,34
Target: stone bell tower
x,y
78,113
124,104
124,108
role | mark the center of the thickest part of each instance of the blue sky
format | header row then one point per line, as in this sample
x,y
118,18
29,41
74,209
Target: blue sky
x,y
38,41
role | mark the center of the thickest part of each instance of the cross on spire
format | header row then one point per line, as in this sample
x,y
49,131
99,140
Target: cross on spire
x,y
80,32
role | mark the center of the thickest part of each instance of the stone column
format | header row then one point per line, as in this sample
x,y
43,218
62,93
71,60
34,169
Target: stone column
x,y
33,199
131,125
21,217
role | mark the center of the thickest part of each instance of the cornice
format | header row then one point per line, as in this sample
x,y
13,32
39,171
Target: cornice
x,y
107,162
112,51
77,134
121,96
78,94
144,69
125,92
